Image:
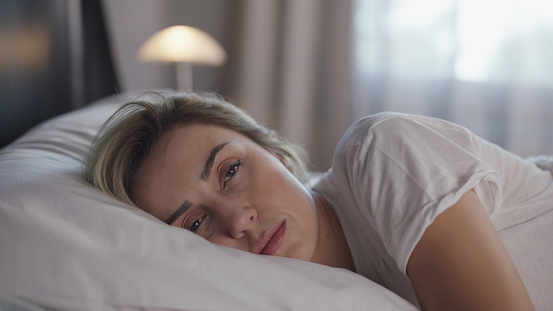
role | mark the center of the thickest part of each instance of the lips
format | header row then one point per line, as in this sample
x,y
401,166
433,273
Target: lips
x,y
271,240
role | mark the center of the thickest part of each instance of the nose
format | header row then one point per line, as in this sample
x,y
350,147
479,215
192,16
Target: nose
x,y
240,220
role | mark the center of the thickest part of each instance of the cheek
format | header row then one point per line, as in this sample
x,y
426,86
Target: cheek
x,y
228,242
221,237
292,196
297,203
302,238
277,178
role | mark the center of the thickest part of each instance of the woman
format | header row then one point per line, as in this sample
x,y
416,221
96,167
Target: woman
x,y
422,206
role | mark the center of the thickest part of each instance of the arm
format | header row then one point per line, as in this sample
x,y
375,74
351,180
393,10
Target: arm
x,y
460,263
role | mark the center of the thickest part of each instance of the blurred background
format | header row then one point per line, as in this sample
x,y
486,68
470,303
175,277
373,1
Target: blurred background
x,y
308,68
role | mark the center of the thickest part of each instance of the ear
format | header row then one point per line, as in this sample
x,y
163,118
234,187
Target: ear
x,y
284,161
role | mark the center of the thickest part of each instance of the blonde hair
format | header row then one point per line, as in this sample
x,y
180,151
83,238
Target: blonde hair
x,y
128,136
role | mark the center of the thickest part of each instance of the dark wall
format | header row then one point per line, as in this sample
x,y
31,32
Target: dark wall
x,y
54,58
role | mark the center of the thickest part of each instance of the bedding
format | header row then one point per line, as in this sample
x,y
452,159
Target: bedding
x,y
66,246
545,162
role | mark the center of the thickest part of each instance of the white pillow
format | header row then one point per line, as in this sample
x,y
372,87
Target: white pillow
x,y
66,246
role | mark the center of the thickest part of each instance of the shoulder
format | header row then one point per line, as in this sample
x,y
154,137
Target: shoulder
x,y
373,122
389,127
402,138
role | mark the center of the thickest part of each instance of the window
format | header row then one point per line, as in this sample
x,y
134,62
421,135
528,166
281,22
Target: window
x,y
499,41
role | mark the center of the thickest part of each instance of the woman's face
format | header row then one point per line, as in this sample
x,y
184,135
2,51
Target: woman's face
x,y
226,188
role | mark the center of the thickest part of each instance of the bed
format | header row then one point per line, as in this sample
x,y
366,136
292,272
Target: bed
x,y
66,246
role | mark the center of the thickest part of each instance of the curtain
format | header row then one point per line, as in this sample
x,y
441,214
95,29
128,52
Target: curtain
x,y
483,64
54,57
290,67
98,68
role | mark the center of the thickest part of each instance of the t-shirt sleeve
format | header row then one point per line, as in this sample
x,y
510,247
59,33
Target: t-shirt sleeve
x,y
405,170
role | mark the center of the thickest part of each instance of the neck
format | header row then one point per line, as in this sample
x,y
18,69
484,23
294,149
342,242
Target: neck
x,y
332,247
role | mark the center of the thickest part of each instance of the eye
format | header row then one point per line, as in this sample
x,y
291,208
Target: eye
x,y
231,171
196,224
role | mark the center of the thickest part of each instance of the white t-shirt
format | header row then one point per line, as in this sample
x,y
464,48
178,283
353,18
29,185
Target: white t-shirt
x,y
394,173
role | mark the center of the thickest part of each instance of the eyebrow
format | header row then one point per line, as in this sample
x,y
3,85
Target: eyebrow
x,y
209,163
176,214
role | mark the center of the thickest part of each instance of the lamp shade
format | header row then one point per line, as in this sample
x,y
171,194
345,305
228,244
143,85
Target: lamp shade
x,y
182,44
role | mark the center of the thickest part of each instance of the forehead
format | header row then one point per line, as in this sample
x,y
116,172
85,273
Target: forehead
x,y
190,135
190,142
185,145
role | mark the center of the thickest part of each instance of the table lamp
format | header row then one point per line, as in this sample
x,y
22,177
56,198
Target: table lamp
x,y
183,46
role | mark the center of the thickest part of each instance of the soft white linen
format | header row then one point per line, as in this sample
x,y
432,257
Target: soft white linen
x,y
394,173
66,246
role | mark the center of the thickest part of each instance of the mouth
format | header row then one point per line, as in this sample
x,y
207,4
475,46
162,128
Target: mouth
x,y
271,240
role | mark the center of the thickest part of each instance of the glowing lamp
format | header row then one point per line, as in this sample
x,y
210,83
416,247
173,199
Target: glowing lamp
x,y
183,46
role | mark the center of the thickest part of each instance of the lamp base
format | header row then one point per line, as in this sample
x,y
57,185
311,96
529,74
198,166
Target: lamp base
x,y
183,76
